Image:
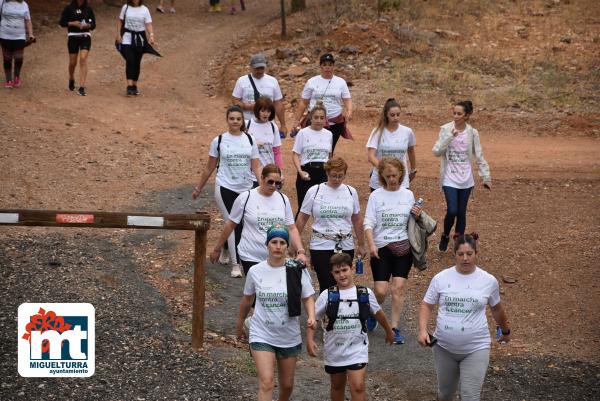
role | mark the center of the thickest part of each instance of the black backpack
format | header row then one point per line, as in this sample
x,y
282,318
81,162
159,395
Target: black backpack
x,y
333,306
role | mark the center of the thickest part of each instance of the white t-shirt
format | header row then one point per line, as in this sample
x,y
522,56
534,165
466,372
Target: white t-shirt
x,y
266,136
329,91
14,15
235,166
313,146
459,173
271,322
387,215
462,326
346,344
332,211
135,20
261,213
392,144
267,86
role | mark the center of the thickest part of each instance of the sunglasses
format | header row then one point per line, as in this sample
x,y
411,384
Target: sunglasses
x,y
274,182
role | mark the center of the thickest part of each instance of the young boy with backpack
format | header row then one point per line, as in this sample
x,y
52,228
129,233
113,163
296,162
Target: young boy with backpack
x,y
346,350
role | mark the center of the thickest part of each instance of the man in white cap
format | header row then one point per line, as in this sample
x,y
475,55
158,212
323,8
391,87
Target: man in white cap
x,y
249,88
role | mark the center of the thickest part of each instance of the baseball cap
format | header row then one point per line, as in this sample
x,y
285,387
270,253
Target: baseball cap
x,y
258,60
327,57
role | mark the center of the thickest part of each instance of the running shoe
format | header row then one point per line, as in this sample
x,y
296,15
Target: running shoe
x,y
372,323
16,82
172,10
232,10
130,91
398,337
81,91
217,8
224,256
160,9
443,245
71,84
8,84
236,272
243,5
135,90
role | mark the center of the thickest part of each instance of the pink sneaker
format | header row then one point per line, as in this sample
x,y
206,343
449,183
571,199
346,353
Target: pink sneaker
x,y
16,82
9,84
232,11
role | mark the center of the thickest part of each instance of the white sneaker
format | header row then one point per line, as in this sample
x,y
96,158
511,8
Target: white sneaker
x,y
172,10
236,272
224,256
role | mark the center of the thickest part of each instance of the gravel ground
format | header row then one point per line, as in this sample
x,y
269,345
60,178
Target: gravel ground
x,y
143,352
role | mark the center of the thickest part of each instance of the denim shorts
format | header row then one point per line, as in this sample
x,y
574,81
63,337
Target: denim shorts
x,y
290,352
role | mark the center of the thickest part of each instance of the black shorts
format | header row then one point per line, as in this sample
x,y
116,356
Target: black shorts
x,y
77,43
332,370
389,265
13,45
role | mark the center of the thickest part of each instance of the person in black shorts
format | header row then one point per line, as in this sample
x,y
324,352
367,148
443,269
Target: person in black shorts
x,y
78,17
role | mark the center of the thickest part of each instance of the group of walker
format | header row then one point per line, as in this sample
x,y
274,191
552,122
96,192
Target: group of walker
x,y
260,230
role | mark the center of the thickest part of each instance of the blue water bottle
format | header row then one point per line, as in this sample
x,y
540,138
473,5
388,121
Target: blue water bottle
x,y
359,266
419,202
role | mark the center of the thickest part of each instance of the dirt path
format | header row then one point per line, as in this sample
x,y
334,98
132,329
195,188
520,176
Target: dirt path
x,y
540,224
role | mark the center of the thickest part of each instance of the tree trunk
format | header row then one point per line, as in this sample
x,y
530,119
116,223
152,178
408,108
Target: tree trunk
x,y
283,26
298,5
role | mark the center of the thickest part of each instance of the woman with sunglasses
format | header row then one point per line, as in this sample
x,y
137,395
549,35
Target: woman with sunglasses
x,y
392,139
312,148
335,210
257,210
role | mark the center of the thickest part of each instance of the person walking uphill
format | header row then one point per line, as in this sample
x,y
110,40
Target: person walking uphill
x,y
16,31
135,35
248,88
79,19
458,142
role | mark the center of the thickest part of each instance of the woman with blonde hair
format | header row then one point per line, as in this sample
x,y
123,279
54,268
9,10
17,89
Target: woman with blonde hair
x,y
386,229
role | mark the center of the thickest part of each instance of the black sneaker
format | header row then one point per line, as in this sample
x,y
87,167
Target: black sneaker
x,y
135,90
81,91
443,246
71,84
130,91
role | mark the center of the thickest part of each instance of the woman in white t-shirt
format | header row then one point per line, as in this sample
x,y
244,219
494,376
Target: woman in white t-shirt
x,y
392,139
134,29
280,287
458,142
312,148
462,334
235,157
386,229
265,132
335,210
333,92
257,210
16,31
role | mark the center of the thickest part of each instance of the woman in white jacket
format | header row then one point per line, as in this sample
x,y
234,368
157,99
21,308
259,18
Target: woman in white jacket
x,y
457,144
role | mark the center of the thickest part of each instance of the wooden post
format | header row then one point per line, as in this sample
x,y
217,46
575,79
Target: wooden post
x,y
283,27
199,289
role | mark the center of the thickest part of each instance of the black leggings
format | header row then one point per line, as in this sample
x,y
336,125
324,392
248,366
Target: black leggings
x,y
228,197
12,50
133,61
317,176
337,130
320,262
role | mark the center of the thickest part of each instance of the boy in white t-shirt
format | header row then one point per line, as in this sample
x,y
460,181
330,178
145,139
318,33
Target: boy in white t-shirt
x,y
346,348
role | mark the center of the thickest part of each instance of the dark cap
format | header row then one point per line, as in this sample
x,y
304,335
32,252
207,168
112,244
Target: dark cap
x,y
327,57
258,60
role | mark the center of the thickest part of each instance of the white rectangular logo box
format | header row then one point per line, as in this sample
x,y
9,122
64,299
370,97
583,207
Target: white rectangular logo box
x,y
56,340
